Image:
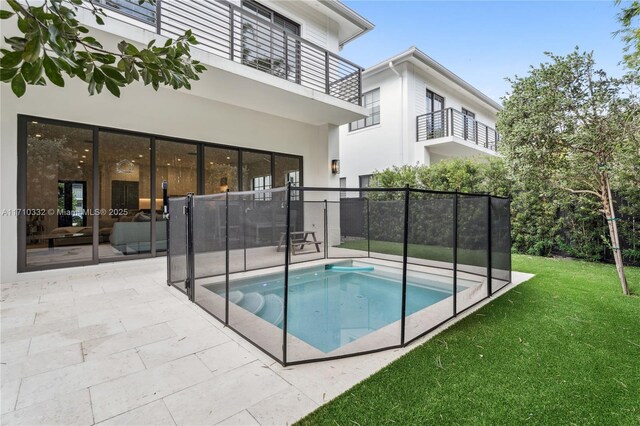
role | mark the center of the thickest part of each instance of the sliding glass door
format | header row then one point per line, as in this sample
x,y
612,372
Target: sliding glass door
x,y
125,195
59,190
89,194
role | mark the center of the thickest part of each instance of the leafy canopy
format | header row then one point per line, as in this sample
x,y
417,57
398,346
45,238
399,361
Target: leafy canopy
x,y
53,43
629,17
567,125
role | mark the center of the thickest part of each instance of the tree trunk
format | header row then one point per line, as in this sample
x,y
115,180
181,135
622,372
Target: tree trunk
x,y
609,212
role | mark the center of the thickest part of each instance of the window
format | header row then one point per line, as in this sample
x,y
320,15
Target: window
x,y
145,12
264,12
261,182
125,195
436,115
266,48
365,182
343,184
469,124
435,102
58,190
370,100
59,195
220,170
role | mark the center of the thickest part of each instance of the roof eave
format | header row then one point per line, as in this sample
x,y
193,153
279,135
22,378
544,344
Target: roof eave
x,y
350,15
414,52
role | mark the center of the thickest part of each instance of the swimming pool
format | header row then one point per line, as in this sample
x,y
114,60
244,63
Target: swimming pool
x,y
328,309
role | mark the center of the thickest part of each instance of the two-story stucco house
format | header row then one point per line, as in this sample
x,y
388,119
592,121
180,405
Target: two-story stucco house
x,y
419,113
86,171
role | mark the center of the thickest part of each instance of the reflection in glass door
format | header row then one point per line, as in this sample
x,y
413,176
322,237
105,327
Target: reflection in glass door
x,y
59,182
177,163
220,170
80,212
125,195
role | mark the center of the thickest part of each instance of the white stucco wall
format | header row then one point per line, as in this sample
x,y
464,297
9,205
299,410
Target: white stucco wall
x,y
455,97
393,141
380,146
232,105
166,113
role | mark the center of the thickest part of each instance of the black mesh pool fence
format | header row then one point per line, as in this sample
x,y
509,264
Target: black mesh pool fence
x,y
310,274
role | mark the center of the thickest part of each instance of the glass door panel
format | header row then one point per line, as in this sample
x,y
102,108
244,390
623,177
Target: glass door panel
x,y
220,170
177,163
125,195
59,225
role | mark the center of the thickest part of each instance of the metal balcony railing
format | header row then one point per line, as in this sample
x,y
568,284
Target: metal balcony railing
x,y
231,32
451,122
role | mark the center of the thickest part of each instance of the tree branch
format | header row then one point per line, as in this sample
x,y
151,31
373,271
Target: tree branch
x,y
583,191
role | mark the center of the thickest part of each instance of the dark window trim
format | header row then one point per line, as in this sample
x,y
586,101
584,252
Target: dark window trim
x,y
273,14
132,14
369,176
468,113
22,121
351,129
444,103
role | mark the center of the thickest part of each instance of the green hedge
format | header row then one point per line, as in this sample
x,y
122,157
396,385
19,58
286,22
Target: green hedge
x,y
543,222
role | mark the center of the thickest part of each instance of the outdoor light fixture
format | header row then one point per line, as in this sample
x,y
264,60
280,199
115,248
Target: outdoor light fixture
x,y
335,166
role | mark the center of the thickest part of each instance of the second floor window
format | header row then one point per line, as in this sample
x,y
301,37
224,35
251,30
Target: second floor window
x,y
436,115
145,12
469,127
266,44
371,101
275,18
435,102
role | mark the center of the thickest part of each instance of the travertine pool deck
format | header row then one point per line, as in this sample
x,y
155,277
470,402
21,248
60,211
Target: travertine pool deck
x,y
112,344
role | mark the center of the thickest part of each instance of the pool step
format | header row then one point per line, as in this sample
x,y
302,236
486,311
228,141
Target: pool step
x,y
236,296
252,302
273,310
270,307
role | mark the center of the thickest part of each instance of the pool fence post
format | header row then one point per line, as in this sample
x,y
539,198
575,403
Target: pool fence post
x,y
226,260
244,231
165,216
510,239
405,243
368,230
190,256
326,231
489,248
455,253
287,250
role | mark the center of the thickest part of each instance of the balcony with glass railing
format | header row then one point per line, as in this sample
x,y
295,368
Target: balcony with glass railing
x,y
229,31
450,122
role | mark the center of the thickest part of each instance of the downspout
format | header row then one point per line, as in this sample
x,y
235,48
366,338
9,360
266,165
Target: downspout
x,y
402,108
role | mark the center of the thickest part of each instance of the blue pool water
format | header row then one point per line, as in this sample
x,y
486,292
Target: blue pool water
x,y
328,309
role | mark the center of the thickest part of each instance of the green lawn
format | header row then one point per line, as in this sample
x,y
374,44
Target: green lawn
x,y
562,348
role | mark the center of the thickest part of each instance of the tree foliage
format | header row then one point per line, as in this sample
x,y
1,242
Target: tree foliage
x,y
53,43
629,18
567,127
544,221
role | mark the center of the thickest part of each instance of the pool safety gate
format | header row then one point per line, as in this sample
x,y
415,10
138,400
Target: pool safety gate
x,y
245,258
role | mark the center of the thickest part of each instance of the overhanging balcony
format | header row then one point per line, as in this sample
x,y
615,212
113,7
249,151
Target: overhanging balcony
x,y
454,126
231,32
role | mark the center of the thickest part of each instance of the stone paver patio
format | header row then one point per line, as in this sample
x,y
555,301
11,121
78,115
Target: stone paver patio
x,y
112,344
